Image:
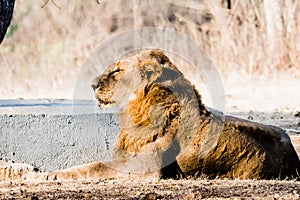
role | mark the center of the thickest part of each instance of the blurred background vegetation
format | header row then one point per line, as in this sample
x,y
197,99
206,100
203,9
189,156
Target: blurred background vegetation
x,y
47,44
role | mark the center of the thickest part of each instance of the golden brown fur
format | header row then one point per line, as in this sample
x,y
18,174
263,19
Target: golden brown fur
x,y
167,110
166,130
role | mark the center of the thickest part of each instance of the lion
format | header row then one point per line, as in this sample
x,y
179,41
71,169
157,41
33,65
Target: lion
x,y
167,132
161,110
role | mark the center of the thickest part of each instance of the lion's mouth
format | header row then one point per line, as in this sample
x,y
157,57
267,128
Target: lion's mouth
x,y
105,103
104,91
103,95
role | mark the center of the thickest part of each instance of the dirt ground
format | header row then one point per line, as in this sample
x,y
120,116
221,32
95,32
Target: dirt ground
x,y
164,189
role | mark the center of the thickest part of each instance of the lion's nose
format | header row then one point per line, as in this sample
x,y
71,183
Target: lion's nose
x,y
95,83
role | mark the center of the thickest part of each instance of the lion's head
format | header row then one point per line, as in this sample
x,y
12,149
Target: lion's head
x,y
125,79
155,100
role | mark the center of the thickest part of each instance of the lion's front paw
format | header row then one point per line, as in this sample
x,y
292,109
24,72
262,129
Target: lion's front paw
x,y
62,176
34,177
51,176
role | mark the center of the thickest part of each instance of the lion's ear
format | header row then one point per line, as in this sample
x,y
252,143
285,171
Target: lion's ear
x,y
159,56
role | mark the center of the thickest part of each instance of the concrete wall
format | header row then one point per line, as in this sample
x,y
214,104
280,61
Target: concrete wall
x,y
55,136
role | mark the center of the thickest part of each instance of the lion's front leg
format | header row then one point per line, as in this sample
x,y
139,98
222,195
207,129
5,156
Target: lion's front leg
x,y
92,172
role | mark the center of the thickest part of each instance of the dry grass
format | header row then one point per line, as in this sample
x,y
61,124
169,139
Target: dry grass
x,y
164,189
45,47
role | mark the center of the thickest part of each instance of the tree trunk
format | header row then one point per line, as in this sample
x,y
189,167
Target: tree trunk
x,y
6,12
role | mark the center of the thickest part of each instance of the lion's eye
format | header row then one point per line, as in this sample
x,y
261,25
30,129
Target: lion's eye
x,y
116,68
114,72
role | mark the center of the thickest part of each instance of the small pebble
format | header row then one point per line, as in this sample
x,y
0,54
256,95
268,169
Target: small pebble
x,y
250,117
